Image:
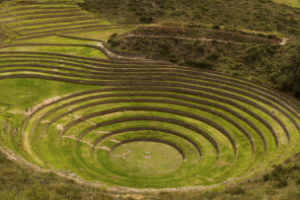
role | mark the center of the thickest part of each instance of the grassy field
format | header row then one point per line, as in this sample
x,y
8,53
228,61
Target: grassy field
x,y
41,134
71,105
133,158
294,3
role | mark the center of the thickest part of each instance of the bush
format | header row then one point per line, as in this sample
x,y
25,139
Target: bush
x,y
115,43
213,56
271,36
217,27
146,20
298,181
294,31
214,41
211,194
280,27
221,50
200,48
282,183
236,190
266,177
114,35
253,54
203,64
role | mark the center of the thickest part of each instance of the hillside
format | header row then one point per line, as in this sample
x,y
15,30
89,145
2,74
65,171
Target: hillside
x,y
256,58
149,100
259,15
264,62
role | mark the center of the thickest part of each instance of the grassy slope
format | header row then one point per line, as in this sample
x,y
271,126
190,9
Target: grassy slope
x,y
294,3
73,191
18,182
269,64
23,182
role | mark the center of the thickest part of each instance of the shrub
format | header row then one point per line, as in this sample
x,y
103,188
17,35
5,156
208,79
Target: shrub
x,y
253,54
298,181
271,36
236,190
280,27
221,50
266,177
146,20
113,40
235,74
177,13
282,183
296,167
213,56
294,31
216,27
203,64
114,35
272,48
115,43
200,48
211,194
214,41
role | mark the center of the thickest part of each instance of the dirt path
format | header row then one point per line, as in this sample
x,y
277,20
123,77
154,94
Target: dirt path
x,y
123,155
103,147
179,38
100,132
190,38
116,141
99,44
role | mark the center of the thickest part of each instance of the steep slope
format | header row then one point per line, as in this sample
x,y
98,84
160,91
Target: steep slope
x,y
260,15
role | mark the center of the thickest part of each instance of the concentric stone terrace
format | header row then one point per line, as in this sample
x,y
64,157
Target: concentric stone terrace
x,y
143,123
193,127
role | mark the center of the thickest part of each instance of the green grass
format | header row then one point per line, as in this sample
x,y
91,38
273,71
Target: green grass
x,y
87,124
127,165
72,50
131,158
294,3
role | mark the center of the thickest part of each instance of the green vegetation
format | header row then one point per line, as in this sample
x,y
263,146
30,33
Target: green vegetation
x,y
294,3
271,64
24,182
89,119
19,182
146,158
259,15
6,34
125,119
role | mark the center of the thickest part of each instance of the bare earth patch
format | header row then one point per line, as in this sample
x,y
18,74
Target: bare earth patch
x,y
103,147
100,132
115,141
